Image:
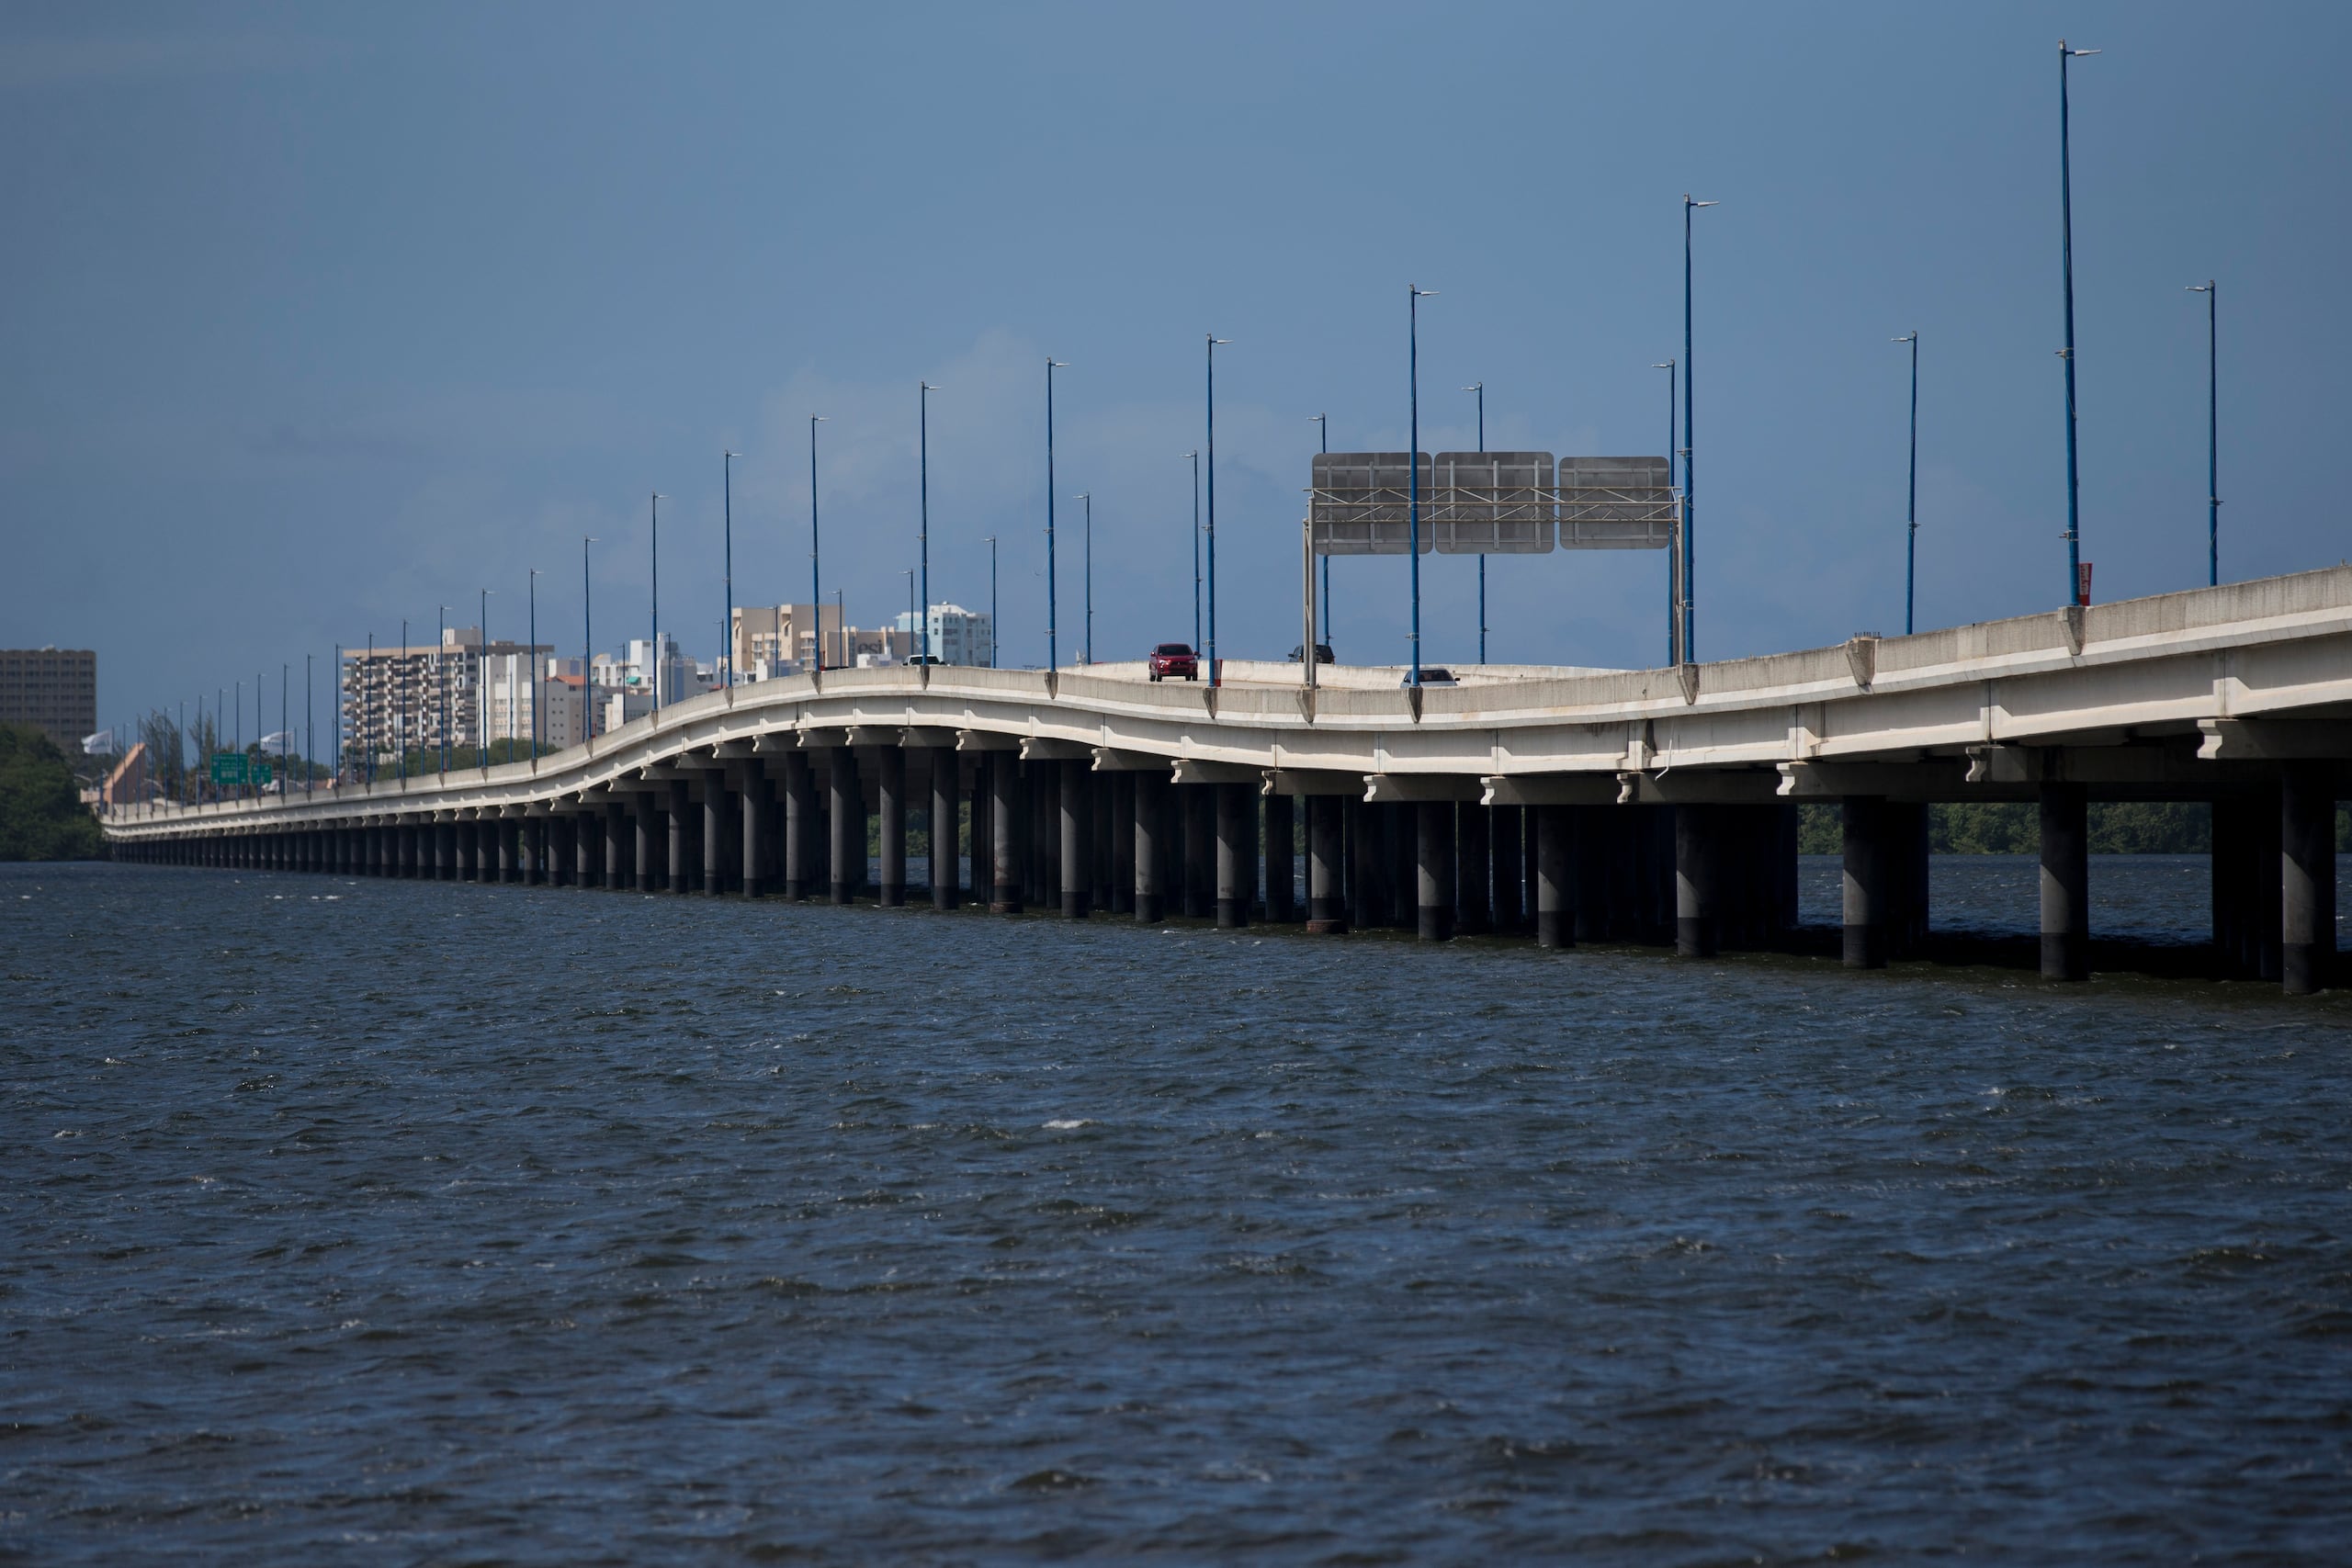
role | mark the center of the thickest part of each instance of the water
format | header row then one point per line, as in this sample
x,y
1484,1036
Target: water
x,y
365,1222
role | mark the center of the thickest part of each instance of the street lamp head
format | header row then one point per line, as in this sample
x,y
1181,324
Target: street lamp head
x,y
1907,337
1687,202
819,418
2074,53
1417,292
2204,287
1053,364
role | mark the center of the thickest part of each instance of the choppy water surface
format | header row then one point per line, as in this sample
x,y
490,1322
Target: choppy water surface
x,y
395,1222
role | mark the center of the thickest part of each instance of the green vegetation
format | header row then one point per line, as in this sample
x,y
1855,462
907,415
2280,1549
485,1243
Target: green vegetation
x,y
41,814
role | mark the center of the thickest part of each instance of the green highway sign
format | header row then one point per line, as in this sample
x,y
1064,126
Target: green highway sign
x,y
230,769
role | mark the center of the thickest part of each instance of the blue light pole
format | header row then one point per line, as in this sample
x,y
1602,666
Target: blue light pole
x,y
1674,550
1323,432
1413,296
2212,440
1911,513
2066,252
816,594
1053,655
1216,675
441,670
1690,441
653,653
1088,497
1196,455
992,622
587,649
727,479
923,533
534,657
1480,388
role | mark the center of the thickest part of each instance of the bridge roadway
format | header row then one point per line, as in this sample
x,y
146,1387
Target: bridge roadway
x,y
1571,806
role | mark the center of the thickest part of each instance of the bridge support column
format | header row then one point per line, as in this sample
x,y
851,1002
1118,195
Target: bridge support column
x,y
983,814
891,783
1404,865
2247,886
946,869
613,829
1282,862
1360,840
469,851
1077,826
1118,820
2307,875
1327,908
1697,917
1906,915
1434,869
1555,920
715,844
2065,882
563,849
1103,818
1148,830
645,840
800,828
1199,806
1508,827
847,810
1473,897
677,806
1233,822
1867,853
758,811
1004,848
587,847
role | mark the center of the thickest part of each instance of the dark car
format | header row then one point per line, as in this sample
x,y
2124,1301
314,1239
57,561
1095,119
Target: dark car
x,y
1322,653
1432,675
1170,659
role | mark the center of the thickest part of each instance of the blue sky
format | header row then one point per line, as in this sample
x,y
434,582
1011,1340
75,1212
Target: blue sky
x,y
321,316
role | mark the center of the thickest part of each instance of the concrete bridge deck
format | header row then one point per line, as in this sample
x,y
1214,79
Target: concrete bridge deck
x,y
2239,695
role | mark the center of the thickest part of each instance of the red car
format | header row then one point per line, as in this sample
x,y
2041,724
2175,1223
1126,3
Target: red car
x,y
1170,659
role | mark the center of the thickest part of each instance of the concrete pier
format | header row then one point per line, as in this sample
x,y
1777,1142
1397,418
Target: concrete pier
x,y
1076,825
2307,873
946,872
1327,908
1149,831
1473,887
1004,804
846,816
1434,870
1282,864
1234,823
1864,820
2248,886
890,801
1698,930
1507,825
2065,882
1556,923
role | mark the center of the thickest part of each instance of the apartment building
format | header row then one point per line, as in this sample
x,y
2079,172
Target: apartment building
x,y
958,636
55,689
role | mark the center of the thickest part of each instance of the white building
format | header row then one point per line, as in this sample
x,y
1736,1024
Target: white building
x,y
958,636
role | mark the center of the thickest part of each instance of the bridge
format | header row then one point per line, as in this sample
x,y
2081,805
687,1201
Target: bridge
x,y
1653,805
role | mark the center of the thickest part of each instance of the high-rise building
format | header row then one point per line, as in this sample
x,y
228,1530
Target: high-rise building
x,y
54,688
958,636
397,699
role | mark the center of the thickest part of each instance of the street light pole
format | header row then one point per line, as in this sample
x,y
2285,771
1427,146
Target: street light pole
x,y
441,672
1480,388
1323,431
1689,444
482,689
816,593
653,651
727,479
1216,674
534,657
1911,513
992,621
587,649
1053,657
2213,438
2066,252
922,534
1086,656
1413,463
1196,455
1674,548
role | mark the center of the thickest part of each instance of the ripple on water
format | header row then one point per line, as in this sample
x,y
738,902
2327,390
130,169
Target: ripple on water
x,y
350,1219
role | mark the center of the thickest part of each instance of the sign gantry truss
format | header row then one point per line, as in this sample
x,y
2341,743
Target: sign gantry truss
x,y
1488,504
